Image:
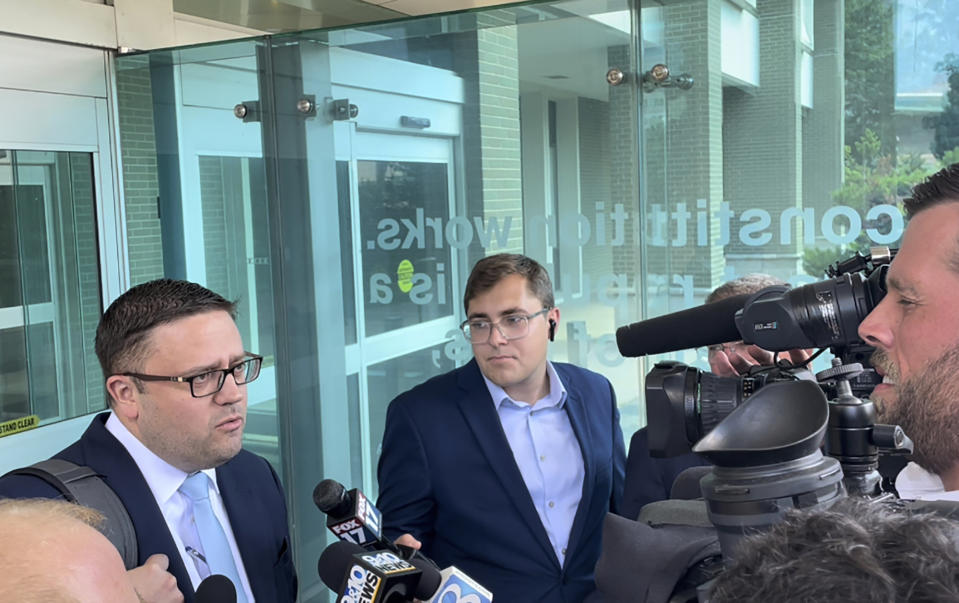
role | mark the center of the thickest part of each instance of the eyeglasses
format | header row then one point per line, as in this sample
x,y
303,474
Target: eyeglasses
x,y
511,326
210,382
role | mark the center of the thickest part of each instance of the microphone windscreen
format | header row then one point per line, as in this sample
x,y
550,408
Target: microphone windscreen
x,y
700,326
330,497
429,579
216,588
334,562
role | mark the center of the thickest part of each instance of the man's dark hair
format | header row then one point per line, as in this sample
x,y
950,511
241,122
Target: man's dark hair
x,y
941,187
750,283
853,551
122,341
491,270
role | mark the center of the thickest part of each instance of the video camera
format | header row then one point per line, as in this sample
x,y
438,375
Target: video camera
x,y
764,432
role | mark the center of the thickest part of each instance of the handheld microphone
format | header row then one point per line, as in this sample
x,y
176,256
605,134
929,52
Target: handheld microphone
x,y
457,587
215,588
349,514
696,327
361,576
354,519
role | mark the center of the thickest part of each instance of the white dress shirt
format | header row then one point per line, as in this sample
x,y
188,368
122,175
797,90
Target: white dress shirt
x,y
548,455
164,481
915,483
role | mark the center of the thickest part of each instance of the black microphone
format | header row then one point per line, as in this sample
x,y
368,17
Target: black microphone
x,y
349,514
700,326
363,576
215,588
354,519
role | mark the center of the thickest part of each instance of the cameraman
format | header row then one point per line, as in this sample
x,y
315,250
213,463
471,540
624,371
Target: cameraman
x,y
650,479
915,330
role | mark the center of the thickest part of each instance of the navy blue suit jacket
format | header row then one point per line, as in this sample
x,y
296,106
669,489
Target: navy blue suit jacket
x,y
252,496
447,475
649,479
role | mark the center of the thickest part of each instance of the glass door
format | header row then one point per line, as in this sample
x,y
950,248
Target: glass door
x,y
403,269
51,304
218,226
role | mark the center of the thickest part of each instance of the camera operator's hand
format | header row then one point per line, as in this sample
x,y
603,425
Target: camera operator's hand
x,y
736,358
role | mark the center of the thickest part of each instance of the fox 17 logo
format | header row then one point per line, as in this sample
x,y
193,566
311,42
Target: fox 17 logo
x,y
459,591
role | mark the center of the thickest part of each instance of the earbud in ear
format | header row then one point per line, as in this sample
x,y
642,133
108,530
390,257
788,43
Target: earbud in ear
x,y
552,329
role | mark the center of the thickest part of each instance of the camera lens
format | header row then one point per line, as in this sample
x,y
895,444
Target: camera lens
x,y
718,396
683,403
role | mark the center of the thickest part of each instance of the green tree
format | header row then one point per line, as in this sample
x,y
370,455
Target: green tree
x,y
870,178
869,67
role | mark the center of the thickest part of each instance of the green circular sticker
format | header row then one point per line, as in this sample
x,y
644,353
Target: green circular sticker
x,y
404,276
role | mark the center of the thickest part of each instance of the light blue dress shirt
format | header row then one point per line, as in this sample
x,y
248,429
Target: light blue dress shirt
x,y
547,454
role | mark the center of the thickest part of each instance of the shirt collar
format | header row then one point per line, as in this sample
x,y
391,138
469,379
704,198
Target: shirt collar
x,y
163,478
556,396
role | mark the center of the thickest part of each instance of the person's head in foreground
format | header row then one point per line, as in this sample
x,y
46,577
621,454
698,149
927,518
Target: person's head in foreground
x,y
53,553
853,551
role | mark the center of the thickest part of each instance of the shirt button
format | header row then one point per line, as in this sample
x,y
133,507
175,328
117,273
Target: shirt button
x,y
551,504
542,457
564,551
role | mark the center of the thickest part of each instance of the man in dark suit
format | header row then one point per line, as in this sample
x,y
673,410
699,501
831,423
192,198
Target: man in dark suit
x,y
506,466
176,373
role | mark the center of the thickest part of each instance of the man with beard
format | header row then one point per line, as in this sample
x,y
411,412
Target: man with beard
x,y
915,330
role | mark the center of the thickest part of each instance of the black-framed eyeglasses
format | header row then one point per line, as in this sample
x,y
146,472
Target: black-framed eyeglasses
x,y
511,326
210,382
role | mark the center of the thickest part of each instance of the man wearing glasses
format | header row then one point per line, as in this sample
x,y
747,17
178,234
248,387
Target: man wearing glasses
x,y
506,466
171,447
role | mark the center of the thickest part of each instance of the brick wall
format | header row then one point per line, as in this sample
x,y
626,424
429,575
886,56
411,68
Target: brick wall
x,y
138,156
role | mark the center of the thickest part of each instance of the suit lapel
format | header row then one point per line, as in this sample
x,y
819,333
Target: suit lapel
x,y
576,409
108,456
480,413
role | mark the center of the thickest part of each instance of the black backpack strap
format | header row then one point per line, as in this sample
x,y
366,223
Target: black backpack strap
x,y
82,485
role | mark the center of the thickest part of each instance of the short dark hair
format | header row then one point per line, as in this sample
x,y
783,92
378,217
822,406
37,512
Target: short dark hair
x,y
750,283
492,269
123,333
852,551
941,187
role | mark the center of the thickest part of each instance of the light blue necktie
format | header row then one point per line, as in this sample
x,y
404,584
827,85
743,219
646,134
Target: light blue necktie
x,y
216,548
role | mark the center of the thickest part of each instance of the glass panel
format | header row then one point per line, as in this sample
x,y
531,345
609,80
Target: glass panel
x,y
396,200
346,259
376,164
389,379
202,214
14,389
49,311
236,242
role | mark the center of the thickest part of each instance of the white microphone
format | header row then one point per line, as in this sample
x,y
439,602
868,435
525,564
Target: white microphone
x,y
457,587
